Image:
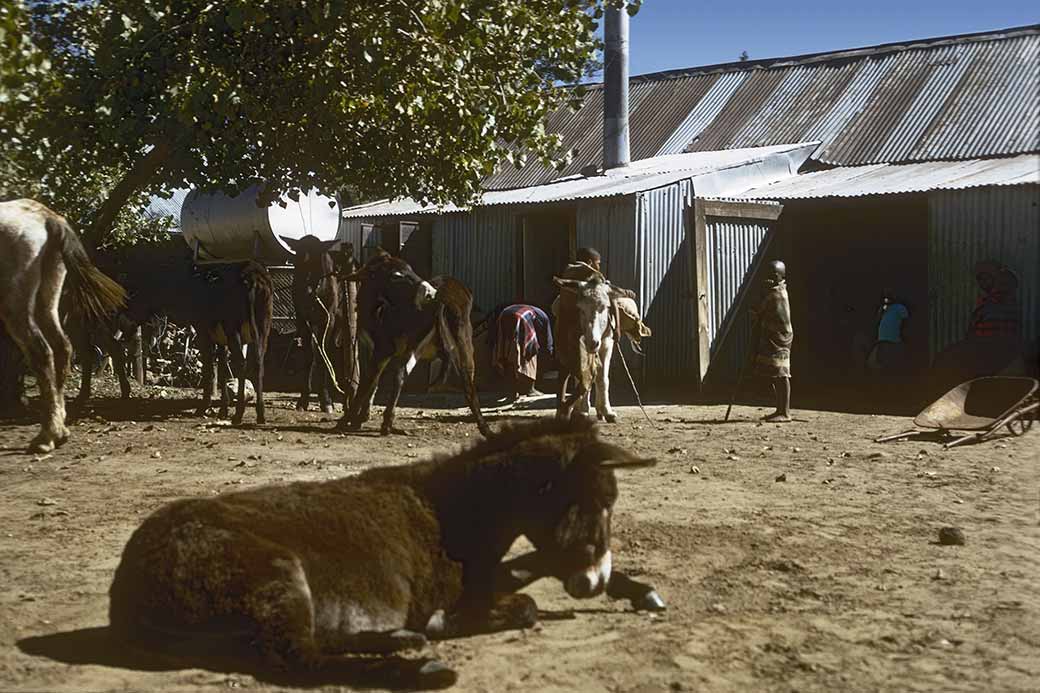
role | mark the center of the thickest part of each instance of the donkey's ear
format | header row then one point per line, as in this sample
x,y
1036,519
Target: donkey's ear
x,y
293,243
630,463
569,284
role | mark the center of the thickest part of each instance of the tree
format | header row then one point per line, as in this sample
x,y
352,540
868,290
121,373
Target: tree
x,y
391,97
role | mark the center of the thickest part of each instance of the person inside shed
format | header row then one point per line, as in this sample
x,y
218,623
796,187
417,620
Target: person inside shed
x,y
888,356
775,336
993,341
997,313
522,333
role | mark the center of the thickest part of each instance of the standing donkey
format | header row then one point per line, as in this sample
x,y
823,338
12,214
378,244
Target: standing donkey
x,y
37,249
586,327
316,302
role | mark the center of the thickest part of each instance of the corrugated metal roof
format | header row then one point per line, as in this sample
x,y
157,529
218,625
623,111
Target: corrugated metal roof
x,y
951,98
887,179
640,176
163,207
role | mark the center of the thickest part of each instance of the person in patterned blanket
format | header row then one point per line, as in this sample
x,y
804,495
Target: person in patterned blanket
x,y
522,332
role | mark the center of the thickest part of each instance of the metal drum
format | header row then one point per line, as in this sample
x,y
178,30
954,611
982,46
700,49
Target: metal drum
x,y
230,229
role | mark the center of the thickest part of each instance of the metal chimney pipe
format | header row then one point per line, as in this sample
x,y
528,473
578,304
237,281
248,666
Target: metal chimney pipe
x,y
615,88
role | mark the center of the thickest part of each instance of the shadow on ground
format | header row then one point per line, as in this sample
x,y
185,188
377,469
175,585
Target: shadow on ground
x,y
99,646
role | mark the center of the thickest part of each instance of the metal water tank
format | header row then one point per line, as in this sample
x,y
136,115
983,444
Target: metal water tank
x,y
222,228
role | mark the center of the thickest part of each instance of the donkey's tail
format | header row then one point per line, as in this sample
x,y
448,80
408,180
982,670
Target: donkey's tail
x,y
93,295
261,303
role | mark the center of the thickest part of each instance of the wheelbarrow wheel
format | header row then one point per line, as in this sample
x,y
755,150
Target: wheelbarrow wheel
x,y
1020,425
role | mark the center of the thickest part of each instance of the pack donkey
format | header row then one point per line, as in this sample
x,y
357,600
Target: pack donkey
x,y
316,302
38,249
382,561
238,317
405,319
229,305
586,329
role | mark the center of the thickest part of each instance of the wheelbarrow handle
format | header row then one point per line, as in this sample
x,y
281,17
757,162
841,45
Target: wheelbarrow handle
x,y
897,436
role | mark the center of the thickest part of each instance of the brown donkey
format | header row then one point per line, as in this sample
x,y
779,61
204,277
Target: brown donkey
x,y
381,561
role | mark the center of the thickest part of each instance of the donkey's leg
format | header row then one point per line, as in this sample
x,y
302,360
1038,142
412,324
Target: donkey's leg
x,y
467,368
220,369
642,596
238,369
603,408
37,351
400,369
307,343
359,408
84,348
257,353
561,395
206,346
502,612
324,379
52,277
117,349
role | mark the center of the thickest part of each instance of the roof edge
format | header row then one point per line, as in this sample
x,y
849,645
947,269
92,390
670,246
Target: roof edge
x,y
826,56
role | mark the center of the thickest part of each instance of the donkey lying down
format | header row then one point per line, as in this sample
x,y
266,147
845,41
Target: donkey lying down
x,y
382,561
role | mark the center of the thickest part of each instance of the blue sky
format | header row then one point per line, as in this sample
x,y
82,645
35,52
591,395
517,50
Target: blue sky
x,y
668,34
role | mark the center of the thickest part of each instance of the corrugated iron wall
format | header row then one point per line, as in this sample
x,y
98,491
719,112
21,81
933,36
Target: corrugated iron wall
x,y
731,249
663,282
966,226
479,249
609,226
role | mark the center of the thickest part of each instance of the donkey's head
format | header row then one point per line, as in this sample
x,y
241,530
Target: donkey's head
x,y
594,300
391,279
313,260
571,531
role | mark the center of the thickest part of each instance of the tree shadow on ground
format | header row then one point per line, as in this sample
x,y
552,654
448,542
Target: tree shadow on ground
x,y
99,646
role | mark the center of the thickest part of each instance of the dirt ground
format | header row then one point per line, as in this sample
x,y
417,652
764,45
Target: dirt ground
x,y
799,557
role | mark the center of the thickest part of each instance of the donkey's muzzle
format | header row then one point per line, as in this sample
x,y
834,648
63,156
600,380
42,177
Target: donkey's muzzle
x,y
590,582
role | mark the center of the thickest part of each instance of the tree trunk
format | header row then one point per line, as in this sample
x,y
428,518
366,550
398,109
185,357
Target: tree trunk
x,y
12,378
140,174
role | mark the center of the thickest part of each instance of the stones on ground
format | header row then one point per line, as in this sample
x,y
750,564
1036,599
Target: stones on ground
x,y
951,536
877,456
46,501
718,608
781,477
694,469
940,574
678,451
156,454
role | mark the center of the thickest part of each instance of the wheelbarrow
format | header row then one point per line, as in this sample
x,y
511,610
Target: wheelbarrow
x,y
982,406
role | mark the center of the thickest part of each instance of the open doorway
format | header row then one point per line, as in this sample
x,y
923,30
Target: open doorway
x,y
546,246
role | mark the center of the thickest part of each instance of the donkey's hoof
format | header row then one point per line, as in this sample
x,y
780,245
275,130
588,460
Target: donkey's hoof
x,y
435,674
328,409
41,444
649,601
610,418
301,406
408,640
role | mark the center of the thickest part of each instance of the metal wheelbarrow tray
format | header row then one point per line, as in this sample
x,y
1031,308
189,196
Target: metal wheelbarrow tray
x,y
982,406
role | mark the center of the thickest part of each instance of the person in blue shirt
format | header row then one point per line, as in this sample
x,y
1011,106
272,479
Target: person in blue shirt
x,y
888,355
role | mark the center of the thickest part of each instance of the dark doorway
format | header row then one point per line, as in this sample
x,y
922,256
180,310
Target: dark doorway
x,y
546,246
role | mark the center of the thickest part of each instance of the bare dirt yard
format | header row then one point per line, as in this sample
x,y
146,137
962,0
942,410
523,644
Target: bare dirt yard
x,y
798,557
